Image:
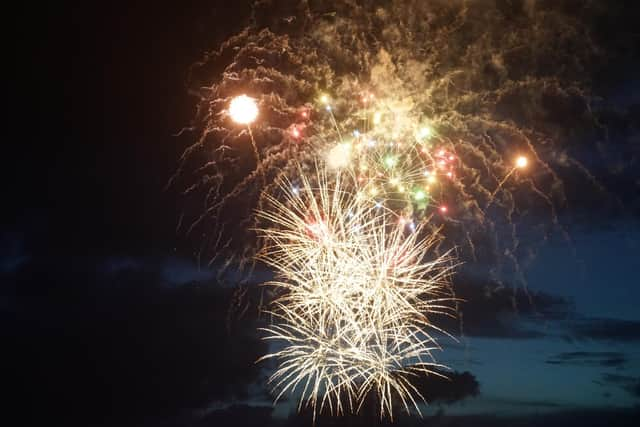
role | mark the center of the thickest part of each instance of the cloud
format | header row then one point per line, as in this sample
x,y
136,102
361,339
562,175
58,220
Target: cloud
x,y
627,383
455,387
488,309
604,329
585,358
114,347
492,310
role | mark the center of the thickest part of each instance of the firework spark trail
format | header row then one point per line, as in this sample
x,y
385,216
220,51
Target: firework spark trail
x,y
356,298
478,79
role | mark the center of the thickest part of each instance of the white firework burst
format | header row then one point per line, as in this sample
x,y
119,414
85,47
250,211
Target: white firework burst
x,y
355,293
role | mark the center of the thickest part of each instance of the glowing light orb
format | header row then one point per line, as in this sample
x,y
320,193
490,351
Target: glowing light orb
x,y
521,162
243,110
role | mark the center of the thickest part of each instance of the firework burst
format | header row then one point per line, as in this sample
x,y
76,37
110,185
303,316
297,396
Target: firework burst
x,y
397,74
355,298
398,159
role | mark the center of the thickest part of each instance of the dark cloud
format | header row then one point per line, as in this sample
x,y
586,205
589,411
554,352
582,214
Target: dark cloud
x,y
586,358
125,342
604,329
627,383
455,387
489,309
93,347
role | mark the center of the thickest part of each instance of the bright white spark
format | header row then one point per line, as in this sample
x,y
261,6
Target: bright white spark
x,y
243,110
521,162
339,156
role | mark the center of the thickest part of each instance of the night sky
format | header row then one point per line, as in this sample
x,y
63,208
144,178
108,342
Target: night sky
x,y
109,317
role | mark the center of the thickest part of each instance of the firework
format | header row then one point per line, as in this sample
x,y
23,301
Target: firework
x,y
437,83
521,162
244,110
355,298
398,160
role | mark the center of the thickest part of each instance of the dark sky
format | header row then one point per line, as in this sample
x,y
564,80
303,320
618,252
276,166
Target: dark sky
x,y
103,132
107,319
